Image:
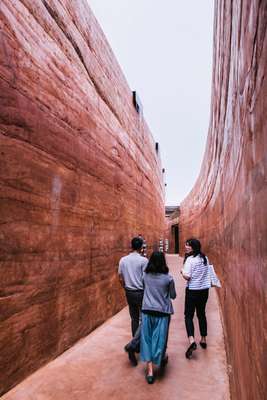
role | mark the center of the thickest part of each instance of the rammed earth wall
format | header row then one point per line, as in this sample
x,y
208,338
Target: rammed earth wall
x,y
227,207
79,176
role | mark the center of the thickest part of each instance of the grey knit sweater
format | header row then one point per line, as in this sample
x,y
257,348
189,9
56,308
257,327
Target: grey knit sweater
x,y
159,289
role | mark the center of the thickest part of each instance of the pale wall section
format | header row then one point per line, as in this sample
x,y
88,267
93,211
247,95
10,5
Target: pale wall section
x,y
227,206
79,176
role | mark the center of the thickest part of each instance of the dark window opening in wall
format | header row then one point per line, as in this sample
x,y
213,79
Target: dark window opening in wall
x,y
137,103
157,147
175,238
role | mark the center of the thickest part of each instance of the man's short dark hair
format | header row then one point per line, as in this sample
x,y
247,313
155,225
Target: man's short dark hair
x,y
137,243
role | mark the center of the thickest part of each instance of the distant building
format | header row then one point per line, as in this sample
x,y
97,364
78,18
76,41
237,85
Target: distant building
x,y
172,214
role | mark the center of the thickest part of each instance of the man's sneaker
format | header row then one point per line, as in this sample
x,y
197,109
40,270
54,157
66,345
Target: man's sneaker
x,y
164,361
131,355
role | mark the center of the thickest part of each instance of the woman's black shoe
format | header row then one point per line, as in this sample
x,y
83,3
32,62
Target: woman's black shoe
x,y
150,379
190,350
203,345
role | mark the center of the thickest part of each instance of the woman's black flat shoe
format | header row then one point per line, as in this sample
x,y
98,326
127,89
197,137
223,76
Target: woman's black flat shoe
x,y
203,345
150,379
190,350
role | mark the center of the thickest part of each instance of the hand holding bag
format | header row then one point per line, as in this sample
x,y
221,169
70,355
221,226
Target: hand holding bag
x,y
215,281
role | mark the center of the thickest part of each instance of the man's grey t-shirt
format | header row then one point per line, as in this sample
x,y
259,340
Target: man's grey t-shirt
x,y
132,268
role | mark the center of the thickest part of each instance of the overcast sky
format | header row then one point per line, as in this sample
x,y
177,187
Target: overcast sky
x,y
165,51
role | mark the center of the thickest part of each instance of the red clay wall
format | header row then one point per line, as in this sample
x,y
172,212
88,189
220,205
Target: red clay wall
x,y
79,176
227,207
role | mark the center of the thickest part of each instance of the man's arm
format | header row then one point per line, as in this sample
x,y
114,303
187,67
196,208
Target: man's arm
x,y
172,290
120,274
121,280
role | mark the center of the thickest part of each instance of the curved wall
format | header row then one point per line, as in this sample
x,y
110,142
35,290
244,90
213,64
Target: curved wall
x,y
227,207
79,176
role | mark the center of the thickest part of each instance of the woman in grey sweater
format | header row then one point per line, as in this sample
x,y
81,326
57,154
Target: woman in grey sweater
x,y
157,308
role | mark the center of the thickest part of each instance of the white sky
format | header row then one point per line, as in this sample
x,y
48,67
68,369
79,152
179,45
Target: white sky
x,y
165,51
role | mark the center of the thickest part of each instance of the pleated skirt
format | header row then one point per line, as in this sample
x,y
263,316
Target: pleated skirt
x,y
154,336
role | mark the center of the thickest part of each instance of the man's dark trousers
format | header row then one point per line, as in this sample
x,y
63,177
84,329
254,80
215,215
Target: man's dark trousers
x,y
134,299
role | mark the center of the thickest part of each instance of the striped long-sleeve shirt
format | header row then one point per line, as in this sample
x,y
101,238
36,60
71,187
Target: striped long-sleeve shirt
x,y
198,273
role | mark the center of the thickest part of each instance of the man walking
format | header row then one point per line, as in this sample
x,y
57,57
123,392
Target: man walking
x,y
131,269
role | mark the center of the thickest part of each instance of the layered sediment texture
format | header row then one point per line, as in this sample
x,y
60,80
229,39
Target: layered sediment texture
x,y
79,176
227,207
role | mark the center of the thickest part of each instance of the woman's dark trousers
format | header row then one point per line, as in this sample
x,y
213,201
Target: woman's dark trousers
x,y
196,300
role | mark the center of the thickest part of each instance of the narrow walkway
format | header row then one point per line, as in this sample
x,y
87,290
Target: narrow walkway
x,y
97,368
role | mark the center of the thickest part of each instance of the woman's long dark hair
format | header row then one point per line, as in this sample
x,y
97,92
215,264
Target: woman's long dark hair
x,y
157,264
196,250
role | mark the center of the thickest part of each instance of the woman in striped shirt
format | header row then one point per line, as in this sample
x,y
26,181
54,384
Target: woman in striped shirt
x,y
196,272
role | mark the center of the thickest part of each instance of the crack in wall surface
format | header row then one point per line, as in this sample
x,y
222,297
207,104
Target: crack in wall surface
x,y
77,50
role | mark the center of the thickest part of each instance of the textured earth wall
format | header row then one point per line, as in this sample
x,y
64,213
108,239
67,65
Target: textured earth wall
x,y
79,176
227,207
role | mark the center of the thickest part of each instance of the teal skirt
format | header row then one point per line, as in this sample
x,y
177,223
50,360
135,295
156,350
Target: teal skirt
x,y
154,336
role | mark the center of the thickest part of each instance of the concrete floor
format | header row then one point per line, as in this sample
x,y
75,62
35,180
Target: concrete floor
x,y
97,368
